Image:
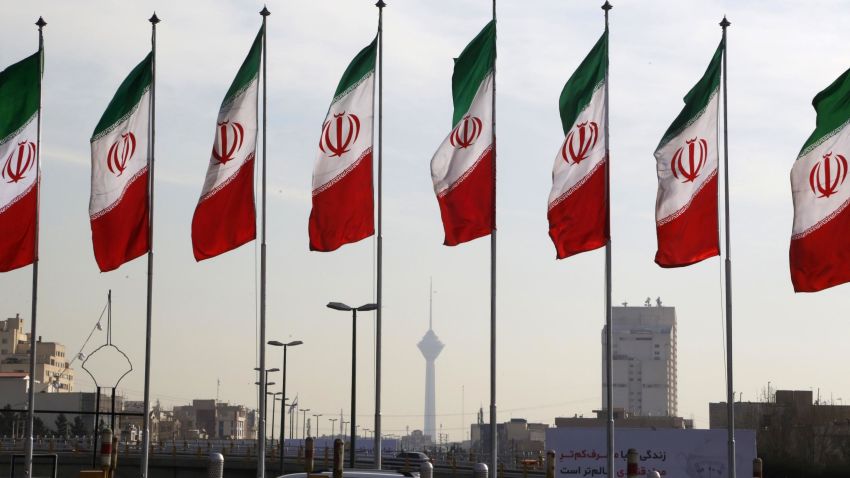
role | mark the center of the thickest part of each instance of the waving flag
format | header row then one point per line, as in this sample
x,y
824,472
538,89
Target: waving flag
x,y
820,243
686,205
578,202
343,199
225,217
19,110
118,207
463,168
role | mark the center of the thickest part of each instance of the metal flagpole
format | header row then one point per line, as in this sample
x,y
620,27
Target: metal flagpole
x,y
494,460
380,258
146,434
261,433
730,391
609,334
34,302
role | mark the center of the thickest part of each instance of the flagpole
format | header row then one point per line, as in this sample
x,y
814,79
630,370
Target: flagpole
x,y
494,461
34,302
152,133
261,438
730,391
609,334
380,252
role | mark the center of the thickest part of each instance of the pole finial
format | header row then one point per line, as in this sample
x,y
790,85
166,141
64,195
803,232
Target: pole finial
x,y
607,6
724,23
380,4
265,11
40,23
154,19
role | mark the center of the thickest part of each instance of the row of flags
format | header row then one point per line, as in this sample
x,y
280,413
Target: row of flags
x,y
463,169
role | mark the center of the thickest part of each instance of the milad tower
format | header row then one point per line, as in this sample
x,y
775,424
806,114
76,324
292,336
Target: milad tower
x,y
430,346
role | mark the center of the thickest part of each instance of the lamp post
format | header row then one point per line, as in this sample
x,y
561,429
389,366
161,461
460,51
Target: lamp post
x,y
268,371
354,310
285,346
304,423
333,428
316,416
274,399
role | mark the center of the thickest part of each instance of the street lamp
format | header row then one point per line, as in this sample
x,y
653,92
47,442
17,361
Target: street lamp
x,y
345,308
285,346
265,403
259,392
274,399
333,428
304,423
316,416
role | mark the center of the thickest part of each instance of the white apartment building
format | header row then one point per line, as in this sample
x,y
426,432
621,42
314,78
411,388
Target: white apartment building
x,y
644,346
52,371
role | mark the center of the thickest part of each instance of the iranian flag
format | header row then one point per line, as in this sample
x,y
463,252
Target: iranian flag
x,y
118,207
19,110
343,198
225,217
578,202
463,168
687,158
820,243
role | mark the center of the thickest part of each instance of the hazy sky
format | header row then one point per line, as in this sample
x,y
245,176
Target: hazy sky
x,y
550,313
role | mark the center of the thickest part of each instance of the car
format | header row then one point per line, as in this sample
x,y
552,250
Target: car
x,y
357,473
413,456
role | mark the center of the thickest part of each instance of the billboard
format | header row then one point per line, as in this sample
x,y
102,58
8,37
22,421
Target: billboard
x,y
582,452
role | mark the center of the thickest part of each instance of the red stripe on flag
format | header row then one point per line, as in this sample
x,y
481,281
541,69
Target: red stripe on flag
x,y
821,259
693,235
468,209
226,219
17,241
345,211
579,223
121,234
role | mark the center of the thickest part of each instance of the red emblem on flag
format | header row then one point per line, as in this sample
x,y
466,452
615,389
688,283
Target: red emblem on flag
x,y
223,151
339,133
828,174
19,162
120,152
688,169
577,147
466,132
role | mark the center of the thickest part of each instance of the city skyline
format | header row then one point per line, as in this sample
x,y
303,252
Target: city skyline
x,y
549,312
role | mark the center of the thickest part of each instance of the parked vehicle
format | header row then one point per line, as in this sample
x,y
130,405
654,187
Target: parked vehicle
x,y
356,473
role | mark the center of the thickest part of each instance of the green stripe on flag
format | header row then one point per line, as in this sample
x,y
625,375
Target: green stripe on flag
x,y
588,77
127,97
360,67
833,111
18,95
475,62
697,99
249,70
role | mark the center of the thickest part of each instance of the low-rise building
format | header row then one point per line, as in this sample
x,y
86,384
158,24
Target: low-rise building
x,y
793,429
623,418
517,437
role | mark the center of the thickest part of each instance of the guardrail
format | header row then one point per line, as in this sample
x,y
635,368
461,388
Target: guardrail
x,y
457,463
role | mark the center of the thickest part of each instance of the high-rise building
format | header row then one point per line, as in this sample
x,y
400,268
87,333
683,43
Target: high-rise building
x,y
644,347
430,346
